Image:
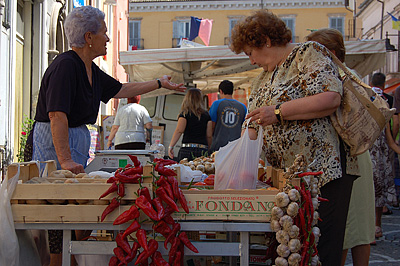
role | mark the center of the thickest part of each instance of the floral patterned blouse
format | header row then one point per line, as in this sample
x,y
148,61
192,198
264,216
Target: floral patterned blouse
x,y
308,70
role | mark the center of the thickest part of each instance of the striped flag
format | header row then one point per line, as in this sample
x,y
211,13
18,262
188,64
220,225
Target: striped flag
x,y
202,28
395,22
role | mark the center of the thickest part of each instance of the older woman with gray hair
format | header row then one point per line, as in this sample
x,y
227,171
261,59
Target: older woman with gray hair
x,y
72,88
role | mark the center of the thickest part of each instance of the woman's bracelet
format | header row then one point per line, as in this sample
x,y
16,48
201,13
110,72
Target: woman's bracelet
x,y
170,147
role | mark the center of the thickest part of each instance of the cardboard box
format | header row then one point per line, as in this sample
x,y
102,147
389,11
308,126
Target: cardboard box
x,y
228,205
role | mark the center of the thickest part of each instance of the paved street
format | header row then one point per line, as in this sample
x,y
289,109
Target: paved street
x,y
387,249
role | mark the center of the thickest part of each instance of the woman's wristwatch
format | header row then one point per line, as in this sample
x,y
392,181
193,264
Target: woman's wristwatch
x,y
278,113
170,147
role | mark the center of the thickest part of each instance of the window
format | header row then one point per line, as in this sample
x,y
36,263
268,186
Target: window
x,y
6,14
150,103
20,18
181,28
232,23
172,106
337,23
290,23
134,33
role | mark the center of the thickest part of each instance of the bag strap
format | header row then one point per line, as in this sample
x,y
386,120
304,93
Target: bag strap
x,y
372,109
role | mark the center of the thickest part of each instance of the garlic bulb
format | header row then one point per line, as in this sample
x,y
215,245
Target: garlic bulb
x,y
276,213
315,218
283,250
294,194
279,261
317,234
282,237
282,199
314,260
294,259
315,203
275,225
294,231
293,209
286,221
294,245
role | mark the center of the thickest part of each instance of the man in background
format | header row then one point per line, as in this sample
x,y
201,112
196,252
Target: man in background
x,y
227,116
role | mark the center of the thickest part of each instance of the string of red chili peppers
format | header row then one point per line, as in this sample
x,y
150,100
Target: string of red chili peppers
x,y
159,210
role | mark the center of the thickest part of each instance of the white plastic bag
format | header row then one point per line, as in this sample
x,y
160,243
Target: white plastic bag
x,y
236,164
9,248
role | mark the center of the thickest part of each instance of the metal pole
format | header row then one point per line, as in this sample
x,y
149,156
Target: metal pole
x,y
382,14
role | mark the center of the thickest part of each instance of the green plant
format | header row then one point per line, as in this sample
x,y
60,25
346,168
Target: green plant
x,y
27,125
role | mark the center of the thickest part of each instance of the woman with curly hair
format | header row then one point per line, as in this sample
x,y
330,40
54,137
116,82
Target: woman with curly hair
x,y
195,124
292,99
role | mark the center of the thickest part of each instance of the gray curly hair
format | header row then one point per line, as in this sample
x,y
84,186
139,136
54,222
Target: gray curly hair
x,y
81,20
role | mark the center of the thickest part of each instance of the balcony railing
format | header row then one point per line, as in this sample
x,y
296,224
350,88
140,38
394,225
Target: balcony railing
x,y
136,44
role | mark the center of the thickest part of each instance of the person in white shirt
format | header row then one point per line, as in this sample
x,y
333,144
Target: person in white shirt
x,y
132,126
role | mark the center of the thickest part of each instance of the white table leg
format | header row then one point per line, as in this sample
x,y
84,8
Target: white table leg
x,y
66,256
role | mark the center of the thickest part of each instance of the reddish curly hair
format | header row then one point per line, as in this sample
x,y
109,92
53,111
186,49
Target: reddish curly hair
x,y
254,31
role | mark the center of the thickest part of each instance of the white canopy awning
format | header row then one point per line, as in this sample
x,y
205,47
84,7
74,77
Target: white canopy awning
x,y
206,66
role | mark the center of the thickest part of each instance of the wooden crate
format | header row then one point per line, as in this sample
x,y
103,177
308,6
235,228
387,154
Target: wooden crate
x,y
72,202
229,205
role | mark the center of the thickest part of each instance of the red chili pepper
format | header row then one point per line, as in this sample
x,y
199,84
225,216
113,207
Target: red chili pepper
x,y
153,246
128,179
111,179
145,192
135,225
113,261
310,173
119,252
142,239
146,207
111,189
164,171
169,220
162,182
182,201
175,229
174,184
112,206
121,190
159,260
135,160
133,171
164,161
178,259
157,203
322,199
164,196
134,250
123,243
127,215
185,240
162,228
176,242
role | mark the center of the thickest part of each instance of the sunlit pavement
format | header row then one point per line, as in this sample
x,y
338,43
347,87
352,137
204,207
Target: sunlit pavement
x,y
387,249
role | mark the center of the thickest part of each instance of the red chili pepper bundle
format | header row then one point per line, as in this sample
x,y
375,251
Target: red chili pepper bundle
x,y
164,196
175,229
153,246
127,215
310,173
111,189
185,240
121,190
164,171
159,260
145,192
135,160
134,179
164,161
157,203
133,171
162,228
119,252
135,225
113,261
162,182
146,207
112,206
182,200
112,179
142,239
134,250
123,243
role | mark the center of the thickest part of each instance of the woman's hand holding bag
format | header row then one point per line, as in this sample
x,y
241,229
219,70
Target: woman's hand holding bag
x,y
236,164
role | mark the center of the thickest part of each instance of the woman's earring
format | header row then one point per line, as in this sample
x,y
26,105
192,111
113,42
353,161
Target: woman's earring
x,y
90,45
267,45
